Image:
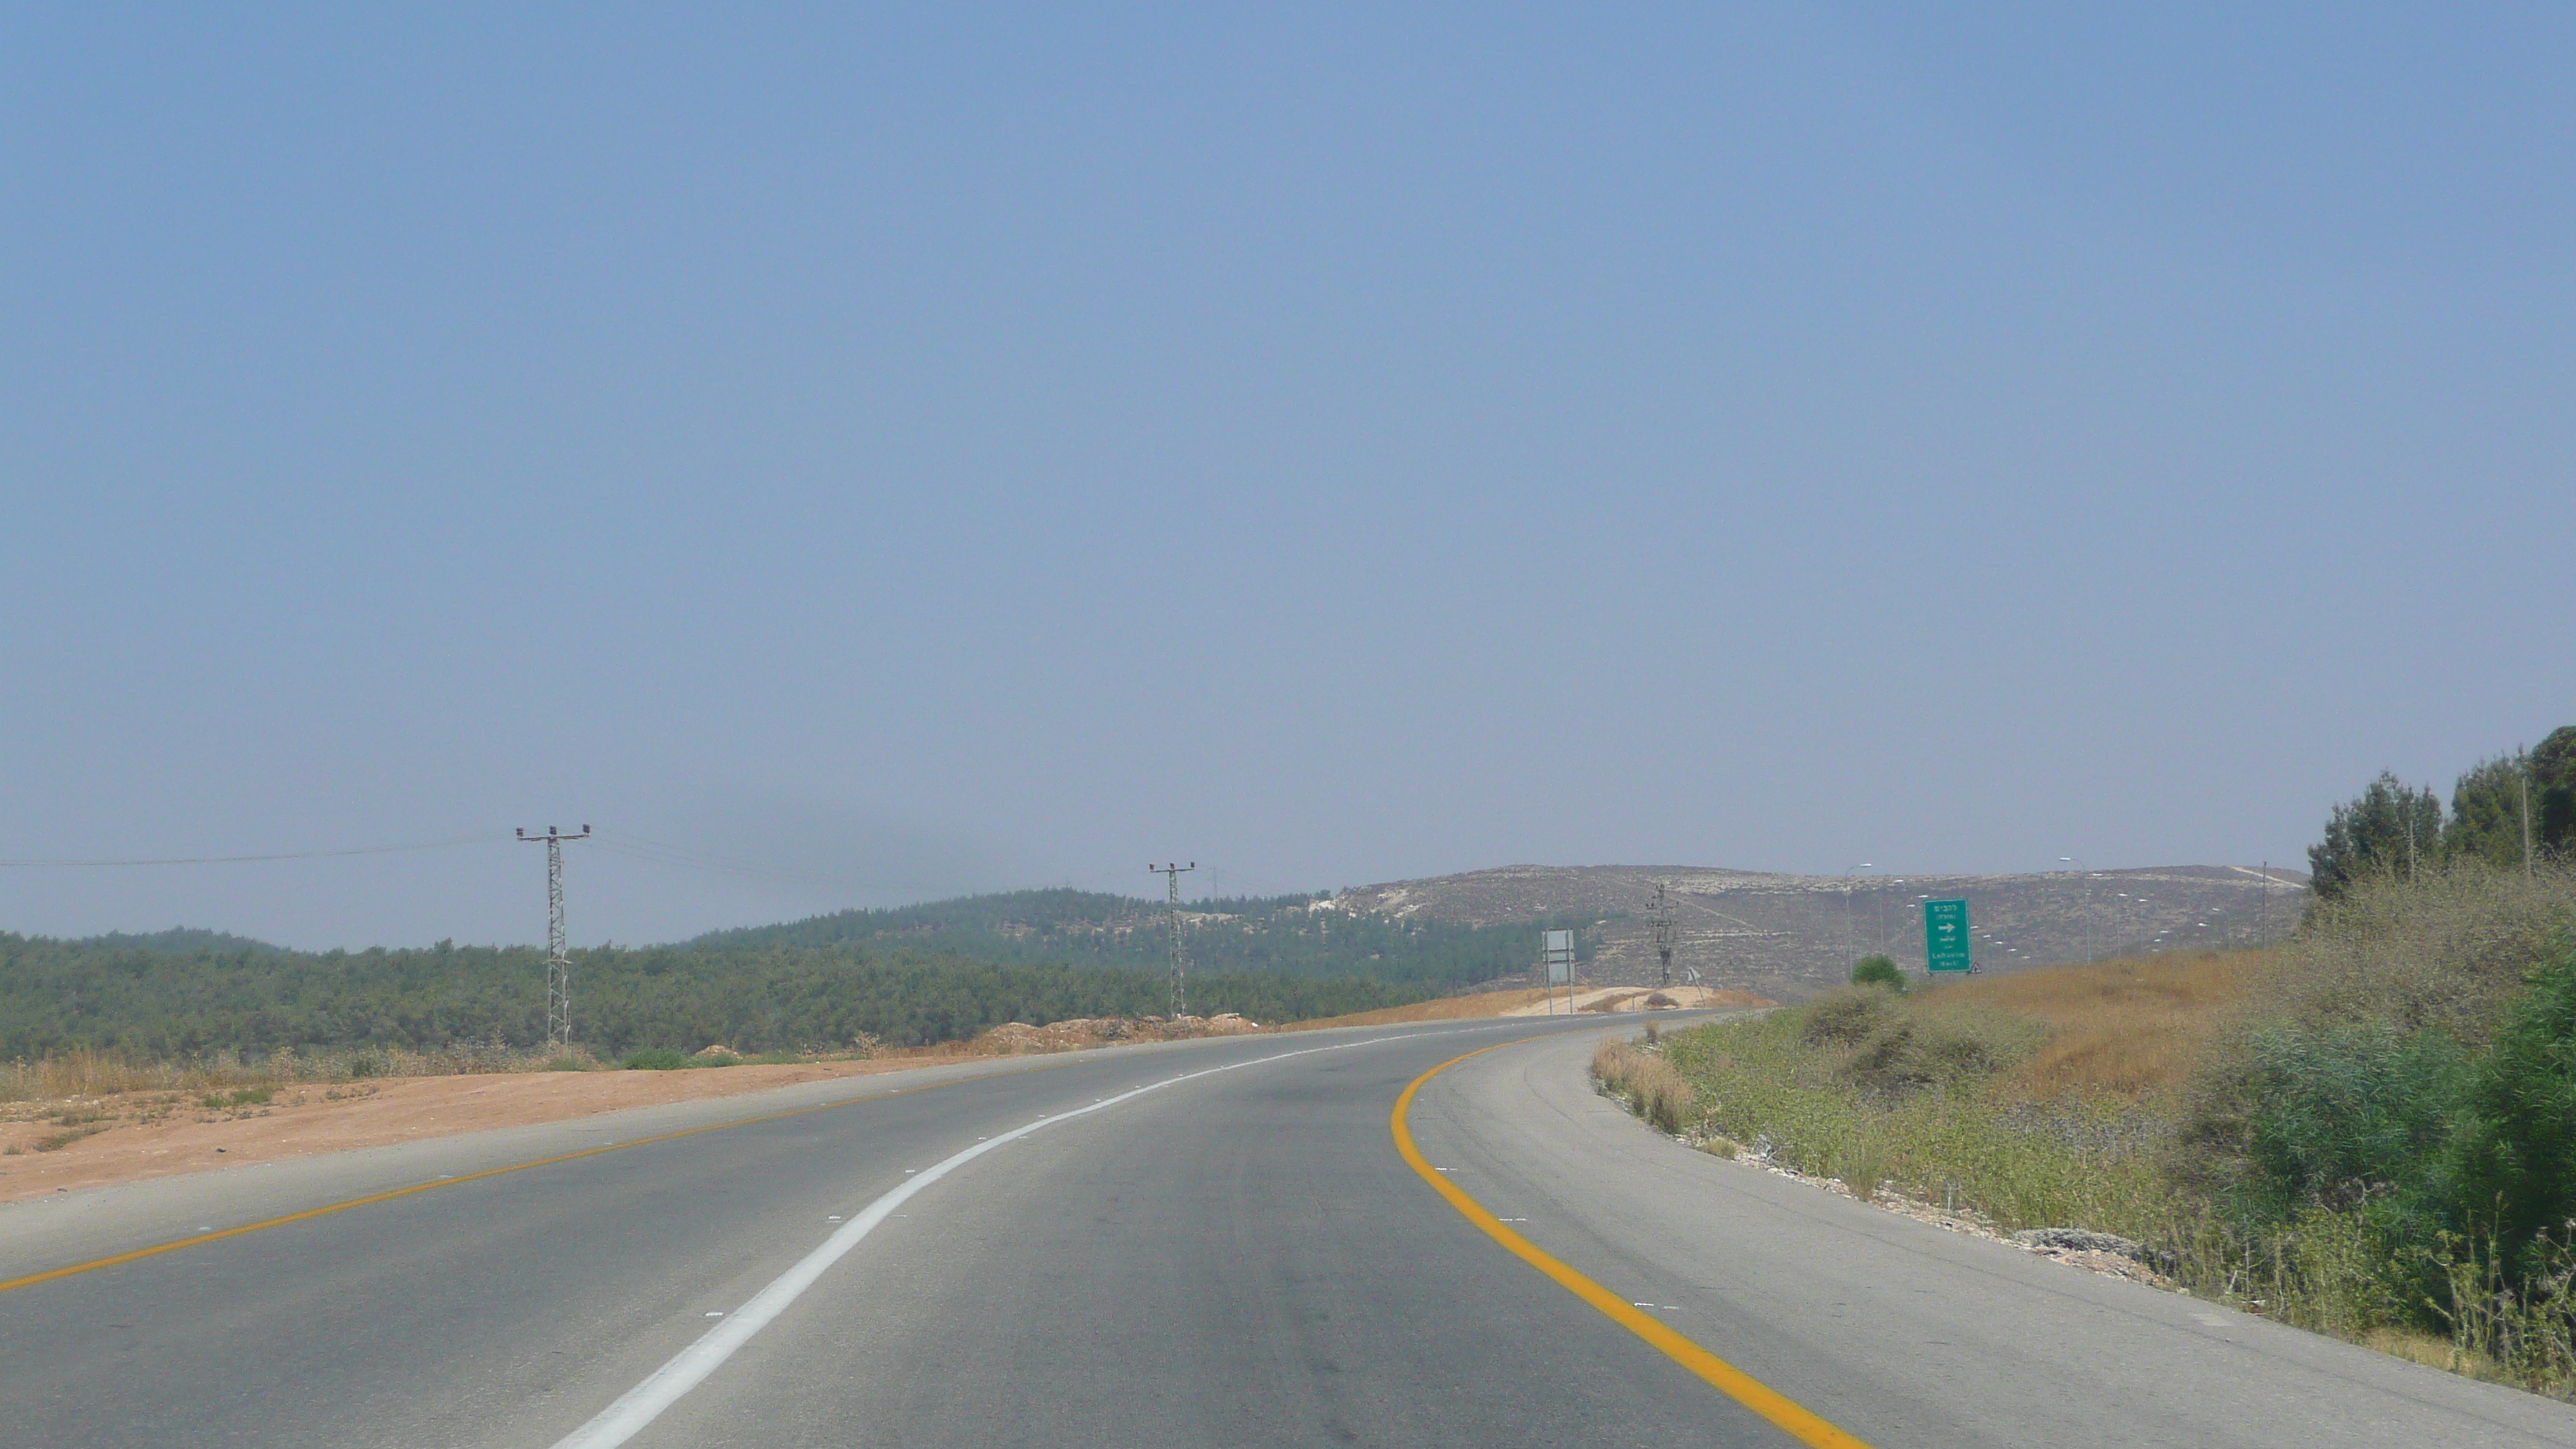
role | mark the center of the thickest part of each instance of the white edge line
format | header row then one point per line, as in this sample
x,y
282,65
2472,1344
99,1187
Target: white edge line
x,y
662,1388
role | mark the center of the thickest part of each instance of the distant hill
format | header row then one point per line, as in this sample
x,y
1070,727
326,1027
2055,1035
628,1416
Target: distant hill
x,y
1788,936
1299,935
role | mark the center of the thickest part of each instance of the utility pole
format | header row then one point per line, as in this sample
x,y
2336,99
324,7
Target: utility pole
x,y
1851,939
2086,873
2526,817
558,965
1664,934
1171,875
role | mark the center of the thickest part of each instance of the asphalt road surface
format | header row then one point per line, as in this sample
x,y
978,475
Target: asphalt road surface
x,y
1042,1253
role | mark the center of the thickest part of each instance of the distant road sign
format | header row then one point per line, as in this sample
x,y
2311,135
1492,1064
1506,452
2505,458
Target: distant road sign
x,y
1559,949
1945,935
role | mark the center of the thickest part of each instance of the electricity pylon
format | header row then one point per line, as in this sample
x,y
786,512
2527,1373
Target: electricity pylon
x,y
1171,875
1664,934
558,964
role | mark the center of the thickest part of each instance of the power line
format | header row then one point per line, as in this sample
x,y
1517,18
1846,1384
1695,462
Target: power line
x,y
558,963
1172,911
246,859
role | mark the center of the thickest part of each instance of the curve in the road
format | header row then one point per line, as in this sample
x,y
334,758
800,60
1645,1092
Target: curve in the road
x,y
644,1403
1790,1416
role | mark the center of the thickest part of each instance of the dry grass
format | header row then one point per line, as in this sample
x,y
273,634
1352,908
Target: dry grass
x,y
2134,1027
1659,1093
1442,1008
78,1075
2448,952
2430,1350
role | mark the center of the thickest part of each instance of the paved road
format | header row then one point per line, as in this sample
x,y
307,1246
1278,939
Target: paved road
x,y
1236,1257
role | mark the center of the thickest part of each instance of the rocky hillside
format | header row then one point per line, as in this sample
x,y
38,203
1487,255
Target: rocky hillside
x,y
1788,936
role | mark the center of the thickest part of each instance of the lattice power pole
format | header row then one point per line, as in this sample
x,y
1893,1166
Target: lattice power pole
x,y
1664,934
558,965
1171,875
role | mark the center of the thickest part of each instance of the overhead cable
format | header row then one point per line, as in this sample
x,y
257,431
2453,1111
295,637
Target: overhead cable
x,y
243,859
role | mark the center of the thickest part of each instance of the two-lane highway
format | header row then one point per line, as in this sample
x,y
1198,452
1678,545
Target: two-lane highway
x,y
1237,1254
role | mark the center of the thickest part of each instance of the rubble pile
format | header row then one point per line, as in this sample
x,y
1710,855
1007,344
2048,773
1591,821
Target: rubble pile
x,y
1018,1038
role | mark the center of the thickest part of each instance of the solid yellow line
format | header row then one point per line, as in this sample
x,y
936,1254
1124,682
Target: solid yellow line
x,y
1786,1413
358,1202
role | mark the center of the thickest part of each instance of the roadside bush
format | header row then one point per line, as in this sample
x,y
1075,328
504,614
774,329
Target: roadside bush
x,y
656,1059
2517,1158
2448,952
1878,971
2341,1115
1660,1093
1923,1042
1759,1082
1847,1016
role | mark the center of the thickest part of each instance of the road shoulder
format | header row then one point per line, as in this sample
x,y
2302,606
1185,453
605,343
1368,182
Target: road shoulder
x,y
1897,1330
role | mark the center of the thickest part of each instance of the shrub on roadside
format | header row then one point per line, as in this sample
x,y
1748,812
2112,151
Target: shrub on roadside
x,y
1878,971
2517,1153
656,1059
2449,952
1847,1016
1660,1094
2342,1115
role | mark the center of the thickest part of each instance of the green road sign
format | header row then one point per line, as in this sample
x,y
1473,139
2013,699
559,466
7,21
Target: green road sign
x,y
1945,935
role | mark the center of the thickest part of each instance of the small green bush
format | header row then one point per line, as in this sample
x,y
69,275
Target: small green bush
x,y
570,1063
656,1059
2517,1159
1878,971
246,1097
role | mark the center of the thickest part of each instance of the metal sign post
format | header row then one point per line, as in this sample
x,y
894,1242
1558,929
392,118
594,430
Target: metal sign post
x,y
1557,949
1945,936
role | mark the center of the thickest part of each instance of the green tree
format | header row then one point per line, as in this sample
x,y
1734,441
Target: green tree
x,y
2553,792
2486,813
2383,832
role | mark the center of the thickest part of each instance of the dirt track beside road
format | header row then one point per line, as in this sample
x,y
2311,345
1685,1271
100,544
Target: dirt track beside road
x,y
159,1134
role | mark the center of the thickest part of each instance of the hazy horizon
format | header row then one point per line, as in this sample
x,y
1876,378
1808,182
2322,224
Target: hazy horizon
x,y
888,456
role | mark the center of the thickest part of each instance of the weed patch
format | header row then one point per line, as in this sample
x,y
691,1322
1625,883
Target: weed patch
x,y
1656,1091
60,1140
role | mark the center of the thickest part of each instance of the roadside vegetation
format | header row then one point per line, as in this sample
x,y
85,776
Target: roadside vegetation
x,y
2369,1131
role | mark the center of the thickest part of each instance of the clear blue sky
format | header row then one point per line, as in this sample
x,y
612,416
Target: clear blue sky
x,y
934,450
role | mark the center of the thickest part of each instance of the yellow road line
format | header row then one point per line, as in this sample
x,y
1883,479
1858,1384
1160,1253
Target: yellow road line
x,y
1785,1413
358,1202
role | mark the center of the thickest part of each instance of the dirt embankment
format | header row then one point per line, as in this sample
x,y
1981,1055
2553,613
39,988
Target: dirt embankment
x,y
67,1144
